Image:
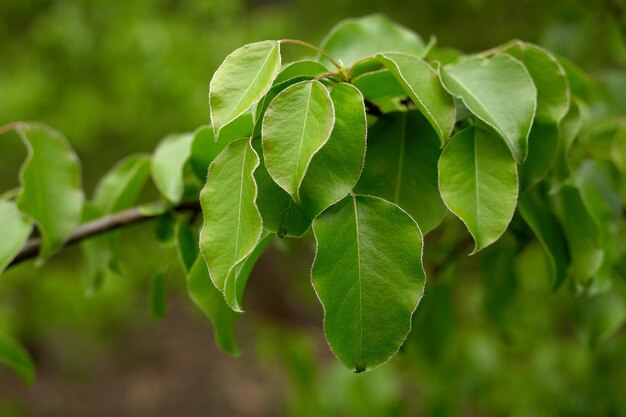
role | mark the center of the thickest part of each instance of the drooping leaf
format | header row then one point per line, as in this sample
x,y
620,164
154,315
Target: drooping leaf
x,y
17,358
15,231
545,226
599,317
298,122
238,276
97,251
368,275
401,166
543,148
168,162
304,68
120,187
187,245
204,147
500,92
158,296
232,223
549,77
51,186
422,85
380,84
242,79
581,232
352,39
478,183
211,301
333,171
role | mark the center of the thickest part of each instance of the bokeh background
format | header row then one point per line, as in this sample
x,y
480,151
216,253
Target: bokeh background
x,y
117,76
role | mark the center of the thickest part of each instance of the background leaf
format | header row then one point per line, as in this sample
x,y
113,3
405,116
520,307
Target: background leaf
x,y
401,166
352,39
17,358
120,187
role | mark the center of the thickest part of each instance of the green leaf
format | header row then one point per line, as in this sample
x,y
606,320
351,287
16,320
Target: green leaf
x,y
97,251
232,223
120,187
304,68
618,148
369,277
242,79
545,226
478,183
158,296
17,358
187,245
204,147
500,92
377,85
422,85
352,39
51,192
15,228
581,232
543,148
401,166
599,317
549,77
168,162
239,275
333,171
296,125
211,301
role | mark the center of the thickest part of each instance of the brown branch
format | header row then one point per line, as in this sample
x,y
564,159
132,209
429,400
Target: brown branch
x,y
105,224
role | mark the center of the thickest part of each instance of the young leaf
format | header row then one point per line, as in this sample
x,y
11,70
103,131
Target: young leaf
x,y
242,79
168,162
296,125
51,192
422,85
232,223
546,228
333,171
581,232
543,148
211,301
15,231
120,187
478,183
549,77
304,68
352,39
17,358
238,276
500,92
368,276
401,166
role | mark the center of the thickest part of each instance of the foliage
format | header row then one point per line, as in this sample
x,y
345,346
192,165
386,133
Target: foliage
x,y
514,141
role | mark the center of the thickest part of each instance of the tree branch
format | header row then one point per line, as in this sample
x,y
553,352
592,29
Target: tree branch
x,y
105,224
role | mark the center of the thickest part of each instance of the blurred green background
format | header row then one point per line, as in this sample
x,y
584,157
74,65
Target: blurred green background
x,y
116,77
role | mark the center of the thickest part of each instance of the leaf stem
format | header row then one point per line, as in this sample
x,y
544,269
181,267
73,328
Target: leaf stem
x,y
315,48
